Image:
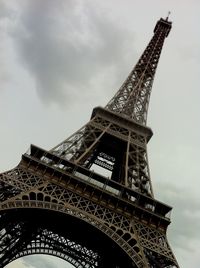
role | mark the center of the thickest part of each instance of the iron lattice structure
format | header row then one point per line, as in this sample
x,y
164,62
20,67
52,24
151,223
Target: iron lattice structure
x,y
54,202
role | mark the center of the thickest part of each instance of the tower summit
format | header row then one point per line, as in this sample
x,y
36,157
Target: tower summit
x,y
56,202
132,99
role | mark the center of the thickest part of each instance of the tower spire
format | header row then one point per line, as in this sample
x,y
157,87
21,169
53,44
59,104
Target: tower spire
x,y
132,99
169,12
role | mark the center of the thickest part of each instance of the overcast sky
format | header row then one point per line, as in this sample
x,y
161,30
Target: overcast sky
x,y
59,59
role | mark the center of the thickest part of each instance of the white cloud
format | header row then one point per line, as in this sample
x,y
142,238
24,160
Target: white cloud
x,y
20,263
38,261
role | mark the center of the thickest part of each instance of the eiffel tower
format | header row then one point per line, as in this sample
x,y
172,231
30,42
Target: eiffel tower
x,y
56,202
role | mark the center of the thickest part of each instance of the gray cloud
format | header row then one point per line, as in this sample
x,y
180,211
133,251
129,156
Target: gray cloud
x,y
186,215
45,261
92,48
5,17
38,261
3,10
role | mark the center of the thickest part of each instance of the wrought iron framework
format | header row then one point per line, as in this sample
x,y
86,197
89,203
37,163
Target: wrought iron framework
x,y
54,202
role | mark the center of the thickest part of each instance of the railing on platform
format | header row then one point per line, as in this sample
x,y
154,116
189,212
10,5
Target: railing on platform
x,y
103,183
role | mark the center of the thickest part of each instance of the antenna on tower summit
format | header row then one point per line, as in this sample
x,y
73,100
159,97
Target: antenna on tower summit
x,y
169,12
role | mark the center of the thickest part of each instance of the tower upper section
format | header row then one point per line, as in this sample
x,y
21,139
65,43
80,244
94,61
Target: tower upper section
x,y
132,99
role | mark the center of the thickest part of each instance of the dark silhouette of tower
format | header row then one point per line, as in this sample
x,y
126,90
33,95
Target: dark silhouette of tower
x,y
54,202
